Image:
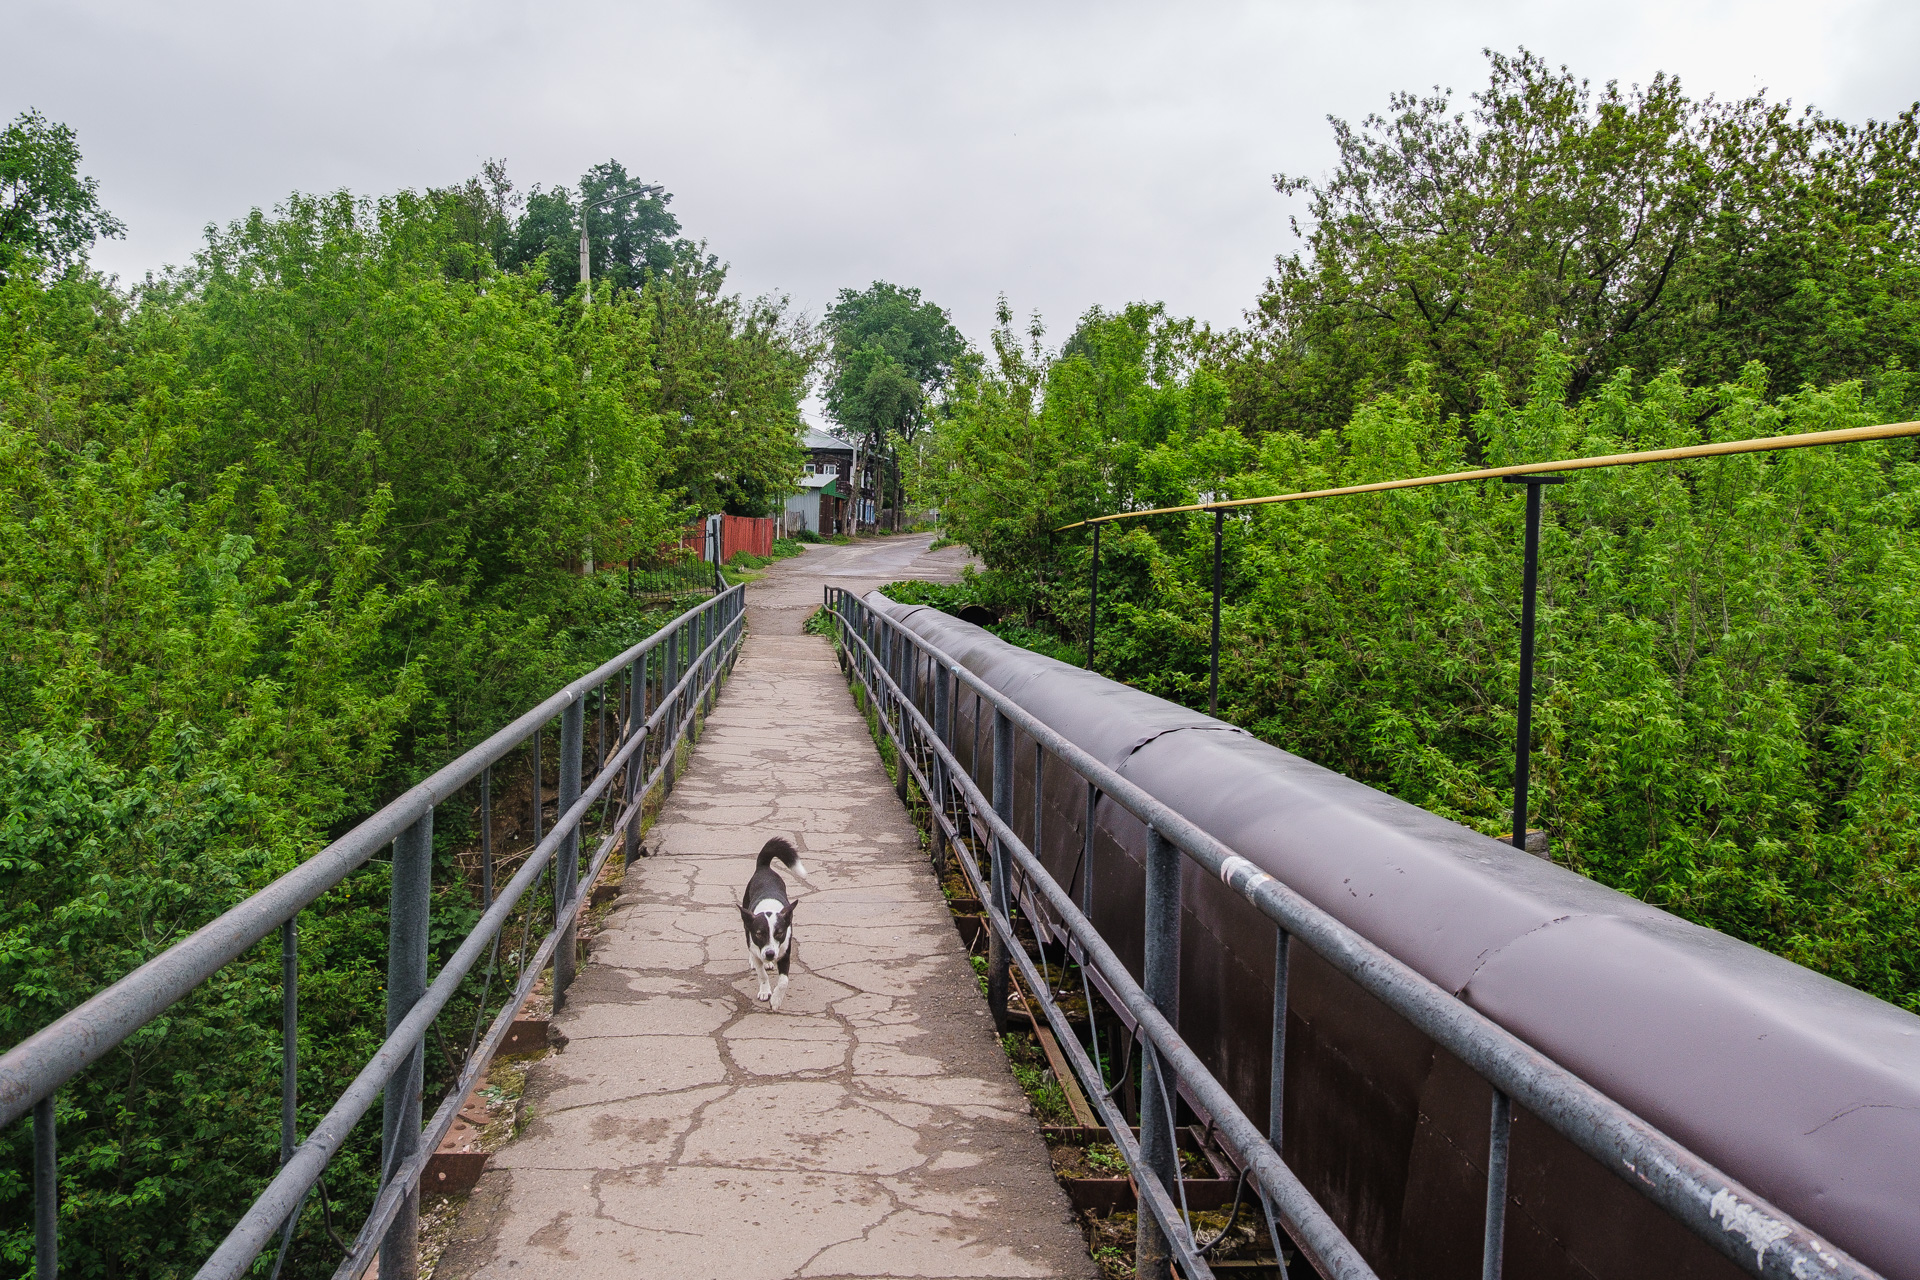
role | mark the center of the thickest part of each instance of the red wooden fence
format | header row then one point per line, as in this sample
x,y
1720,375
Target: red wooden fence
x,y
751,534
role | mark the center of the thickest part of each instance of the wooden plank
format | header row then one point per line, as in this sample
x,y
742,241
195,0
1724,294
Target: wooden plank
x,y
1082,1112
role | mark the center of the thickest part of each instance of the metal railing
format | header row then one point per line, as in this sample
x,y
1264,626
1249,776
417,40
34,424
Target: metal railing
x,y
664,582
668,679
899,670
1531,474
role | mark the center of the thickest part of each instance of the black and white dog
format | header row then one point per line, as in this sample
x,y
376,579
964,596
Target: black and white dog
x,y
768,917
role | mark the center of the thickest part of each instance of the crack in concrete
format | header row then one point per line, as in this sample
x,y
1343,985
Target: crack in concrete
x,y
781,1141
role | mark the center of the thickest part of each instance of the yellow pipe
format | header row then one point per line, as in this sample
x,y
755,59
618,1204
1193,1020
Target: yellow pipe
x,y
1850,435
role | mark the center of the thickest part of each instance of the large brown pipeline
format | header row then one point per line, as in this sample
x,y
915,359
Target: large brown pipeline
x,y
1805,1089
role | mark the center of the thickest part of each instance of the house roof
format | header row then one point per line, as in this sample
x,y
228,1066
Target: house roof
x,y
815,438
824,483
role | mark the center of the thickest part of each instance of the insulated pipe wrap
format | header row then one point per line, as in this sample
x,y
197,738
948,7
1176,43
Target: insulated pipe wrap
x,y
1803,1088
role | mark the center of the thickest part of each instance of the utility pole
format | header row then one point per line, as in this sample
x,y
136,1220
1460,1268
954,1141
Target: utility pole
x,y
586,258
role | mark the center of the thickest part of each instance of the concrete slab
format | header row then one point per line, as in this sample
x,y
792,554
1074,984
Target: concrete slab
x,y
870,1128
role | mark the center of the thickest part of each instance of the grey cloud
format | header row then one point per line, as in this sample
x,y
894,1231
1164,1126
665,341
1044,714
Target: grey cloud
x,y
1068,154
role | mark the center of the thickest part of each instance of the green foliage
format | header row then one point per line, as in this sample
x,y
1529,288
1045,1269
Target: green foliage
x,y
1725,712
732,374
279,534
630,233
1647,230
49,214
892,353
1035,1078
1725,706
1127,414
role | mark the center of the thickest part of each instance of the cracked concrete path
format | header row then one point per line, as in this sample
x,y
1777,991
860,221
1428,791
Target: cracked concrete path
x,y
871,1127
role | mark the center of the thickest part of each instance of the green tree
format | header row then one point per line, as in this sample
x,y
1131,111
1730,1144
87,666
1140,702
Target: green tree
x,y
629,237
278,534
49,214
732,373
892,353
1642,228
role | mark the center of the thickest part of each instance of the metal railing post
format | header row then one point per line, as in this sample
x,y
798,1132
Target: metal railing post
x,y
539,783
710,666
1500,1130
1093,597
637,764
1161,982
997,957
486,837
943,730
567,863
1213,680
896,653
1277,1073
670,724
406,983
1523,731
46,1192
289,1035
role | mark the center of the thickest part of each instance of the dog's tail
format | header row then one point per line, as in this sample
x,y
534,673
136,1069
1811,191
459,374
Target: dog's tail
x,y
778,848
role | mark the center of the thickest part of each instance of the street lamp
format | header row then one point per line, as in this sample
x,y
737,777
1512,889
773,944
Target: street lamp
x,y
586,273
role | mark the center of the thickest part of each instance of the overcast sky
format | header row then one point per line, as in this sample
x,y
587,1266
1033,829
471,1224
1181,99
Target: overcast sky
x,y
1067,154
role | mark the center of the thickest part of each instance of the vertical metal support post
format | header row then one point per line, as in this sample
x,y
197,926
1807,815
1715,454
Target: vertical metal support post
x,y
289,1035
486,837
1093,597
896,668
701,639
997,954
1086,909
637,762
1493,1251
1086,853
406,983
943,729
1213,680
670,723
539,784
921,755
1523,731
567,857
1277,1074
1039,777
1161,981
712,672
46,1192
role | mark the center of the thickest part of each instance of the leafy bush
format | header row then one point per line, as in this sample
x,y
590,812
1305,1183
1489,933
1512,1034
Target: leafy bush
x,y
1725,684
278,535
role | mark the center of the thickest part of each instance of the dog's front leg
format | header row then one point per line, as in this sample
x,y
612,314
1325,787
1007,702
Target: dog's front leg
x,y
780,984
759,969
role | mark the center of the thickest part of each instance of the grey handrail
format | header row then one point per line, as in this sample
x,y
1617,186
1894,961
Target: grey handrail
x,y
34,1070
1740,1224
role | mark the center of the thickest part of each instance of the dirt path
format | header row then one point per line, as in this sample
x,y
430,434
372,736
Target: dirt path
x,y
868,1129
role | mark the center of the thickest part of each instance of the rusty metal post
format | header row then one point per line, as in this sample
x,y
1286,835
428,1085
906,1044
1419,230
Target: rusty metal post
x,y
567,857
997,952
1494,1248
1093,600
406,982
1161,982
